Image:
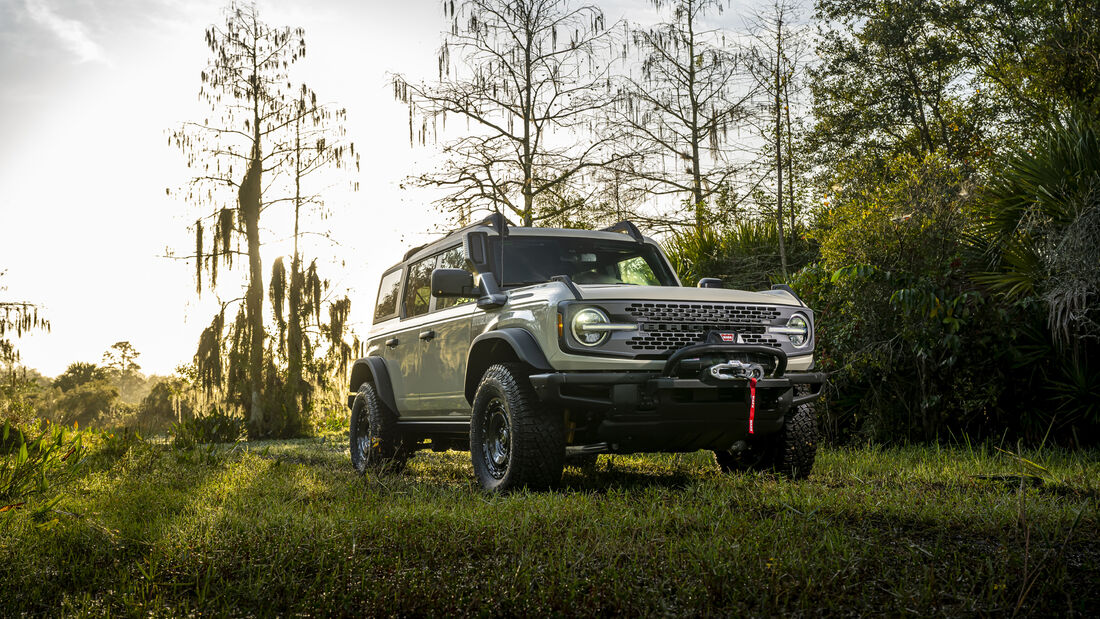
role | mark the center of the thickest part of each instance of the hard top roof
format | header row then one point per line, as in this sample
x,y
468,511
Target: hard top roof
x,y
495,224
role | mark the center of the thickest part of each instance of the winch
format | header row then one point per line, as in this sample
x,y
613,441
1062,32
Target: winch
x,y
736,370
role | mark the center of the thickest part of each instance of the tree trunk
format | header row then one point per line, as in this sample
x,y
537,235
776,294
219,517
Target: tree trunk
x,y
294,329
249,199
696,177
779,145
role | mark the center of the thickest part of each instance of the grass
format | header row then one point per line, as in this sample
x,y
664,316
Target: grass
x,y
287,528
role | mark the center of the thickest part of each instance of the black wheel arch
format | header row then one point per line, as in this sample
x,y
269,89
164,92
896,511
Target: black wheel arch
x,y
501,346
373,370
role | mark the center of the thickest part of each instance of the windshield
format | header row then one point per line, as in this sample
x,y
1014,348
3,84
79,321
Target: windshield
x,y
535,259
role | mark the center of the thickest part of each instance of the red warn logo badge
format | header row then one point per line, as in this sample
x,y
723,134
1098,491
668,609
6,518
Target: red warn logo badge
x,y
729,337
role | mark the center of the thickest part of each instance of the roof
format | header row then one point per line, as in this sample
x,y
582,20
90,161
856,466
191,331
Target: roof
x,y
492,226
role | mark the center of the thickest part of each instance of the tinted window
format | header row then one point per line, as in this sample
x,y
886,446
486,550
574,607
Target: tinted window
x,y
452,259
535,259
388,291
418,287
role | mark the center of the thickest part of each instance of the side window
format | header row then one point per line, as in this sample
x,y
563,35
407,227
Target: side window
x,y
452,259
388,291
418,287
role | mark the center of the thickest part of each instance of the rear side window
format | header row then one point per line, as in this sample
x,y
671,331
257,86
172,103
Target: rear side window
x,y
418,288
388,291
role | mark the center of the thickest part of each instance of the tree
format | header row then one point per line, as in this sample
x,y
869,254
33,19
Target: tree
x,y
527,74
317,143
246,86
18,317
678,112
776,59
77,374
892,80
1040,59
122,357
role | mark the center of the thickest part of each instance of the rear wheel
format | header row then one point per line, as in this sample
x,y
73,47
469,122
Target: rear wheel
x,y
375,441
798,443
514,441
757,455
790,453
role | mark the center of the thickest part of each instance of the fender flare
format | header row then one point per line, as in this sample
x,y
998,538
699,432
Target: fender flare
x,y
511,344
372,369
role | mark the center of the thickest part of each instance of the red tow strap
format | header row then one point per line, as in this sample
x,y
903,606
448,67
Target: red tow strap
x,y
752,402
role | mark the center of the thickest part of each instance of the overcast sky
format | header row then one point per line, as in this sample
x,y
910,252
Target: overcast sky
x,y
89,90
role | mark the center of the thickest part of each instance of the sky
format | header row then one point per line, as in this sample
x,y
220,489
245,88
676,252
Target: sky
x,y
90,91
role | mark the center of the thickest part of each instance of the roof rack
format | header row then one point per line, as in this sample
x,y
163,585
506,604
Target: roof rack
x,y
627,227
496,221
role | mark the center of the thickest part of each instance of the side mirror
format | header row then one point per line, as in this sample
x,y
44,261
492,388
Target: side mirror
x,y
710,282
452,283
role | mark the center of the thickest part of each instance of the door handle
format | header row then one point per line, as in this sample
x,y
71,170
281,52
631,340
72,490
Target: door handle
x,y
391,342
427,335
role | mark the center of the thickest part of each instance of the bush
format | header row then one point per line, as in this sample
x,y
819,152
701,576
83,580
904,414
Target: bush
x,y
744,256
913,347
215,427
28,465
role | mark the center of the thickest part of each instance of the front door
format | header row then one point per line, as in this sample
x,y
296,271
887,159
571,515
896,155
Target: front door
x,y
435,338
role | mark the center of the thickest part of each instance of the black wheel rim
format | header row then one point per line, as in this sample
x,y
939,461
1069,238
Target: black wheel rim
x,y
363,438
497,439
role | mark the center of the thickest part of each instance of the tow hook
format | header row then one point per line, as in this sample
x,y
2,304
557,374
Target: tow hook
x,y
736,370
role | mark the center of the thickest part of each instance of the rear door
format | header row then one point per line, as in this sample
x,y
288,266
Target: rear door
x,y
405,345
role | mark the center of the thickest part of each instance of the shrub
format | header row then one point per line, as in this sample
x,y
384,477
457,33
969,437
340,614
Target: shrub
x,y
214,427
28,465
744,255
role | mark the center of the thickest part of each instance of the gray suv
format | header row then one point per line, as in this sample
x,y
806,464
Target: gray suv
x,y
534,347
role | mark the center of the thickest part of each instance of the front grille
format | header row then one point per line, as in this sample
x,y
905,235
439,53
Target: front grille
x,y
665,327
703,313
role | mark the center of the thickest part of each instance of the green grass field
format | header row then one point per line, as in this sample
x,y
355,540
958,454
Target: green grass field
x,y
289,528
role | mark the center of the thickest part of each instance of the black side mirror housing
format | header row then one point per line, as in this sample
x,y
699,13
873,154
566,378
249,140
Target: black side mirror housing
x,y
710,282
452,283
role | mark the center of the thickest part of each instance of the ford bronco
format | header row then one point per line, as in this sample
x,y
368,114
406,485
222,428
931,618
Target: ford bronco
x,y
532,347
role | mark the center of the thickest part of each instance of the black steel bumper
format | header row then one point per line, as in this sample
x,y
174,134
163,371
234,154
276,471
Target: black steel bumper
x,y
659,411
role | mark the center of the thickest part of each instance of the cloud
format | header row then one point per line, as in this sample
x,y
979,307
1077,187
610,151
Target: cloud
x,y
73,34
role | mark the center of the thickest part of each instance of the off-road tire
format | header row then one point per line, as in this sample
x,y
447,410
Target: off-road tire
x,y
515,442
798,441
374,439
790,453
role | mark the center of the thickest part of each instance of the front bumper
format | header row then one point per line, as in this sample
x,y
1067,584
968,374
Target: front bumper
x,y
659,411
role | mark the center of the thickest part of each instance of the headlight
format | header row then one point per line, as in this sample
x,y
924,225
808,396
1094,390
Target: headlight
x,y
586,326
799,330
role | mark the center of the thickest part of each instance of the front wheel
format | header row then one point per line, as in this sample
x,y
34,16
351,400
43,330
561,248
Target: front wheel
x,y
514,441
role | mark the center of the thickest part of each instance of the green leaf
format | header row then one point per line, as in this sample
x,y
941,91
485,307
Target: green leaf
x,y
22,458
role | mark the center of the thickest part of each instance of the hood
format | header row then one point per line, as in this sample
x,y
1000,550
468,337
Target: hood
x,y
671,293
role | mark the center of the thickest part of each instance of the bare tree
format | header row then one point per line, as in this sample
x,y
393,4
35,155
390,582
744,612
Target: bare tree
x,y
527,76
316,142
678,110
777,58
246,88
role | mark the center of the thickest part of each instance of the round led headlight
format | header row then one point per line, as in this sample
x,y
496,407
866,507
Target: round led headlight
x,y
798,330
585,326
